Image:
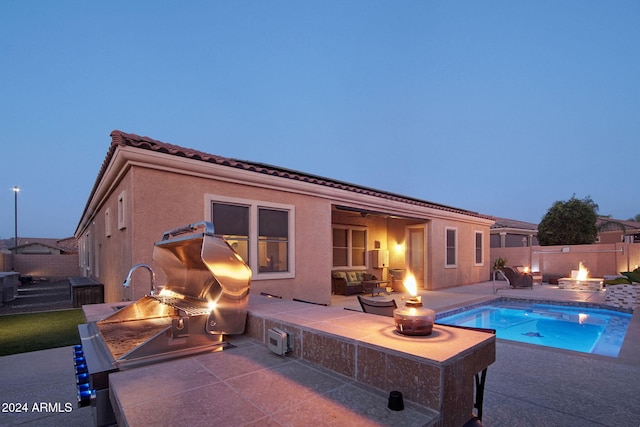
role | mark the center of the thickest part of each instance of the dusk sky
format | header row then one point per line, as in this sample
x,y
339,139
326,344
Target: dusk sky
x,y
499,107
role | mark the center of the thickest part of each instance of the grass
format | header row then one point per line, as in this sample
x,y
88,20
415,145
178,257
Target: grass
x,y
21,333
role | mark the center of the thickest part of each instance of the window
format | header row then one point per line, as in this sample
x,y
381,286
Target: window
x,y
122,210
273,240
451,247
340,247
232,222
107,222
349,247
479,248
261,233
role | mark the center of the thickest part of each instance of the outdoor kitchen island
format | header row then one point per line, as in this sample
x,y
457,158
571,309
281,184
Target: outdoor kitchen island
x,y
341,368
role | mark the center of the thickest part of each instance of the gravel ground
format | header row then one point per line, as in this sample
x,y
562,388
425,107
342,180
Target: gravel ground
x,y
40,296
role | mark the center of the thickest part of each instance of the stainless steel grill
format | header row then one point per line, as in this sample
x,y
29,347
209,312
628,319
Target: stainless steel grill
x,y
205,298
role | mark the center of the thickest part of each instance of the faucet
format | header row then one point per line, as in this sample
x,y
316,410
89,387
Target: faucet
x,y
127,281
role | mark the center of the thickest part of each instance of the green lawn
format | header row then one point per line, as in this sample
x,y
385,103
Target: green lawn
x,y
20,333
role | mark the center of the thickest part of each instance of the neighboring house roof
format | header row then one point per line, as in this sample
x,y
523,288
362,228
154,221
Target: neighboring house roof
x,y
603,224
610,224
36,245
501,223
142,142
68,245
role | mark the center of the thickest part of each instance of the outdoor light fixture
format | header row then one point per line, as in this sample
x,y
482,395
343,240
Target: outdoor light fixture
x,y
413,318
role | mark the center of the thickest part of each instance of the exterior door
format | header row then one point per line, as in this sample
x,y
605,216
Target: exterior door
x,y
416,263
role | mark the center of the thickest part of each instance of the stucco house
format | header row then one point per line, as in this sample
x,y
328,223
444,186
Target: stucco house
x,y
616,230
293,229
511,233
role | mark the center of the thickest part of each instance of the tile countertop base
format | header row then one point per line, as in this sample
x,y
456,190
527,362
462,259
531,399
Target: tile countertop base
x,y
341,370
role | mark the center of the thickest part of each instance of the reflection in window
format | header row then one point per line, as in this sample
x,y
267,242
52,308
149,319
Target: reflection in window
x,y
232,222
273,240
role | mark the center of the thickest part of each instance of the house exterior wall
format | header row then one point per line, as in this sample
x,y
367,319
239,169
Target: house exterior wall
x,y
141,194
392,233
465,270
157,201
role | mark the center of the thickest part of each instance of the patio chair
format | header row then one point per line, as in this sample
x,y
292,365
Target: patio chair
x,y
379,307
518,280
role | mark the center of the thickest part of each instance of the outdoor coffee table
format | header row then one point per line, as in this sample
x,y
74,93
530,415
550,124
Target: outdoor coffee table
x,y
375,287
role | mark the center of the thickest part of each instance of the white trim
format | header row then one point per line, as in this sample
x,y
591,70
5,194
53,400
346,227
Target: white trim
x,y
253,206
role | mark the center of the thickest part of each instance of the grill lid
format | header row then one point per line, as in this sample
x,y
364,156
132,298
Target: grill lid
x,y
204,274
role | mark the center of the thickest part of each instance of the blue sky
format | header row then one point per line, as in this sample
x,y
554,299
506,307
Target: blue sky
x,y
486,106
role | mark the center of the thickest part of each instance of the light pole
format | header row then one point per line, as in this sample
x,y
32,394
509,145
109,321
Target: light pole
x,y
16,190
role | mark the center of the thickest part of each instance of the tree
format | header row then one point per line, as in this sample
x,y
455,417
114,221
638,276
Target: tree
x,y
635,218
571,222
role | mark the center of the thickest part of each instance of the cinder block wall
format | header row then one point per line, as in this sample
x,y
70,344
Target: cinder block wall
x,y
51,267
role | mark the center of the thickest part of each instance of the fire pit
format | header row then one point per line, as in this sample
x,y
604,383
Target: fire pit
x,y
413,318
205,297
580,281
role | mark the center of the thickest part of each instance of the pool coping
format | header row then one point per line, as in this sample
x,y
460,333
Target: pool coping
x,y
462,309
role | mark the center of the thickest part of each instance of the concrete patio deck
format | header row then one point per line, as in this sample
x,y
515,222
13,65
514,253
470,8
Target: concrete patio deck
x,y
526,386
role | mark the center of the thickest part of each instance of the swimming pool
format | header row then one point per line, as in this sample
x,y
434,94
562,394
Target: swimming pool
x,y
584,329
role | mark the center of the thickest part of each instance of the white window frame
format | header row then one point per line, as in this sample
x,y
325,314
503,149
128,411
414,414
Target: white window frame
x,y
477,233
350,229
122,210
446,247
254,206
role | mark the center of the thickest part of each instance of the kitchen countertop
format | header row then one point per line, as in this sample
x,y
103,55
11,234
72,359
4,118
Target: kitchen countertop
x,y
341,370
249,385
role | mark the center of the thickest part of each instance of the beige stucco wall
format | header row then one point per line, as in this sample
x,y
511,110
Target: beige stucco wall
x,y
158,201
558,261
465,272
161,192
392,234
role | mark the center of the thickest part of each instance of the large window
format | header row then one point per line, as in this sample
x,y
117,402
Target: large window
x,y
261,233
479,248
451,247
349,247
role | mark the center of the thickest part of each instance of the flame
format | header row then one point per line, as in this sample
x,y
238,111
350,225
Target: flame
x,y
583,273
410,284
526,269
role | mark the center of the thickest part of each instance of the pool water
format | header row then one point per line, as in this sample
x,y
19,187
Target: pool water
x,y
583,329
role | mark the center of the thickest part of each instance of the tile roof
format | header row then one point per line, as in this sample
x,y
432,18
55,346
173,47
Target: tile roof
x,y
612,224
603,224
512,223
120,138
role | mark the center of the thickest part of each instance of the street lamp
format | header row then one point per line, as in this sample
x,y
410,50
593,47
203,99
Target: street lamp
x,y
16,190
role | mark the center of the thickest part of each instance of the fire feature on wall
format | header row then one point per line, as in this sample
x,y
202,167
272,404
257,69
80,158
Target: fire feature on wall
x,y
413,318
